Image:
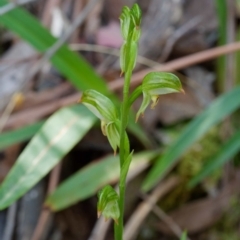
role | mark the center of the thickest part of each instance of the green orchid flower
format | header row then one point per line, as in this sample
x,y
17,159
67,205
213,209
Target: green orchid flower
x,y
156,84
108,204
105,110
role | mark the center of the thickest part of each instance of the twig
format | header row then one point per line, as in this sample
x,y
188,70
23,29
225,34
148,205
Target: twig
x,y
180,32
20,119
10,6
111,51
168,220
8,110
77,22
11,214
78,6
48,9
180,63
145,207
45,214
16,61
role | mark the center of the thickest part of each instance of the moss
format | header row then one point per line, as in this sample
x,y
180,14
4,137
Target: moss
x,y
190,164
194,159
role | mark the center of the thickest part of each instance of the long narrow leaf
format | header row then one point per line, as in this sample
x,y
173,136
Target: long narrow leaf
x,y
220,108
227,151
87,181
9,138
56,138
75,68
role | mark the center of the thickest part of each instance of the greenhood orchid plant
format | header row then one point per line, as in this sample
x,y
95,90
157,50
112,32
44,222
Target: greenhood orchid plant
x,y
114,122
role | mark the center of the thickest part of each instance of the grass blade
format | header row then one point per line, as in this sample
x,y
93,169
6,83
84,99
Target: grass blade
x,y
87,181
227,151
12,137
71,65
220,108
55,139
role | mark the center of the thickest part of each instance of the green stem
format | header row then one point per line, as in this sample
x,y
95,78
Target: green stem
x,y
124,116
124,152
135,94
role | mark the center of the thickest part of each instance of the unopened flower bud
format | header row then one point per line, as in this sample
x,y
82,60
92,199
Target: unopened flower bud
x,y
108,204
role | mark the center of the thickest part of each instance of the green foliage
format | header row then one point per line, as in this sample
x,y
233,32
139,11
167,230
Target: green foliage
x,y
88,180
194,131
55,139
199,153
227,151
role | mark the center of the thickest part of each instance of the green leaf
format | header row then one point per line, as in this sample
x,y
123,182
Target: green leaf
x,y
219,109
12,137
88,180
55,139
227,151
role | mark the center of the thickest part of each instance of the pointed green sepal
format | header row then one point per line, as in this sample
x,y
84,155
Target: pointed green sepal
x,y
136,15
156,84
125,22
105,110
112,131
108,204
146,101
100,105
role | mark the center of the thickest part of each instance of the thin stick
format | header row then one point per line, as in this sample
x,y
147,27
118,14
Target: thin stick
x,y
180,63
111,51
146,206
7,112
77,22
11,215
12,5
168,220
46,214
